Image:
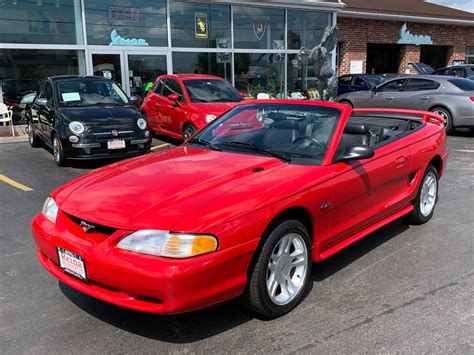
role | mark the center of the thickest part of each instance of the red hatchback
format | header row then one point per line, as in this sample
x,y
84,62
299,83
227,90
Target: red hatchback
x,y
179,105
243,208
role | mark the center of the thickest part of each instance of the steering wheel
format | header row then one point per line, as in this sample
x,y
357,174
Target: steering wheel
x,y
311,139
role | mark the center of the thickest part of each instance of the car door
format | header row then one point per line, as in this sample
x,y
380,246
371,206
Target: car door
x,y
418,94
45,114
174,113
387,94
358,84
153,103
344,84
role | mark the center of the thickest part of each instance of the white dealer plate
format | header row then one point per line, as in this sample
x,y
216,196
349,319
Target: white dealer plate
x,y
72,263
116,144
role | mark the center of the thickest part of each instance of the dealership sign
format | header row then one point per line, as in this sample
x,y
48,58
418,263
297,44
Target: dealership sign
x,y
118,40
407,38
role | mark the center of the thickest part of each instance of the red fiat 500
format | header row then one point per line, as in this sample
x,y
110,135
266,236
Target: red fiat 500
x,y
243,208
178,105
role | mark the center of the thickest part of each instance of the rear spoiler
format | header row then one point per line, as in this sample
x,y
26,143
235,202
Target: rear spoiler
x,y
424,115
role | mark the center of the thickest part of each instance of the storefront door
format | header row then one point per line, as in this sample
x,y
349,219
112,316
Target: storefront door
x,y
134,71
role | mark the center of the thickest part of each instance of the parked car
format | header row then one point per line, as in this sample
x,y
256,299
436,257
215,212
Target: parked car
x,y
461,71
13,90
359,82
450,97
179,105
86,118
243,208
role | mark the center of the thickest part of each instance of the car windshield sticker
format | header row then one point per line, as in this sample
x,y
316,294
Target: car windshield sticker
x,y
71,96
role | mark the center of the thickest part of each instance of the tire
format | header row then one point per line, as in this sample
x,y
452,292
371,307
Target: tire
x,y
426,200
273,267
58,152
33,138
347,103
447,117
188,131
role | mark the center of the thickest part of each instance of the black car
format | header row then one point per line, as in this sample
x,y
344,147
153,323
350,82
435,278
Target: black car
x,y
462,71
359,82
86,118
12,92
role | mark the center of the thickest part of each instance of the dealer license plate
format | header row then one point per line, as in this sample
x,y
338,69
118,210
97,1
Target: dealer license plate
x,y
116,144
72,263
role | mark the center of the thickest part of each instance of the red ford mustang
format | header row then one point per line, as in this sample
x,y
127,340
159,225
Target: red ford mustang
x,y
178,105
243,208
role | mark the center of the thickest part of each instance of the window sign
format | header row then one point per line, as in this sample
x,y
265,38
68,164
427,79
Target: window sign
x,y
124,14
259,27
357,67
118,40
224,43
200,25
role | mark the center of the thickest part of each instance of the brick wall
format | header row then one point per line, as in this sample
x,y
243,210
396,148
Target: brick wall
x,y
356,33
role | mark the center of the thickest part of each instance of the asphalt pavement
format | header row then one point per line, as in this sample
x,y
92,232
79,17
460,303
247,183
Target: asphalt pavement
x,y
403,289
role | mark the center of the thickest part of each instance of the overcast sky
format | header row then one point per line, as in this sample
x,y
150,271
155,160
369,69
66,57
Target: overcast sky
x,y
465,5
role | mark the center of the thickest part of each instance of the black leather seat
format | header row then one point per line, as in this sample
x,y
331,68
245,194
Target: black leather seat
x,y
281,133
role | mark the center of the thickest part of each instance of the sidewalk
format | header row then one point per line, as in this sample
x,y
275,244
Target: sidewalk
x,y
20,134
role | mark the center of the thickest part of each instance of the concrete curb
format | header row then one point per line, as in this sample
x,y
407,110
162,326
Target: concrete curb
x,y
14,140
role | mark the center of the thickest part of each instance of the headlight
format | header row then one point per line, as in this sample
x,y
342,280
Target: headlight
x,y
141,123
210,118
50,209
170,245
76,127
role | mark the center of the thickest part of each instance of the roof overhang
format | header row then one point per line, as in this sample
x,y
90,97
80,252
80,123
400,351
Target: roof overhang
x,y
404,18
334,6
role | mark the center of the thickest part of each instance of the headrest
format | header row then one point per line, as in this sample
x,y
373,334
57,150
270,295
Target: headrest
x,y
353,128
286,124
277,116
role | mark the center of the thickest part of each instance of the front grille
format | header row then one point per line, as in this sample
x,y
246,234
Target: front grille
x,y
97,228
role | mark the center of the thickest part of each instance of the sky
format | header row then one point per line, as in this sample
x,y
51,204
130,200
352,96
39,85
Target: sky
x,y
465,5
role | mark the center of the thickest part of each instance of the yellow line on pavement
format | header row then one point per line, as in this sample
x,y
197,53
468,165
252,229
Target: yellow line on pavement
x,y
14,183
160,146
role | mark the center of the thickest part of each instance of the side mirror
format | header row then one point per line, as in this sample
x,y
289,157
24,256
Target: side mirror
x,y
134,100
42,102
374,89
173,97
242,94
358,152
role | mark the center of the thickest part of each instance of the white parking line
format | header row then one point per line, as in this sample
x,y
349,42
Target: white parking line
x,y
463,150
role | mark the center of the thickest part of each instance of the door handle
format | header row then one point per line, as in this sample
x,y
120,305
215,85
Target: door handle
x,y
401,161
157,104
425,98
389,98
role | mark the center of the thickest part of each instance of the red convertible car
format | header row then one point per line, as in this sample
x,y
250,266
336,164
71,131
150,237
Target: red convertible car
x,y
243,208
178,105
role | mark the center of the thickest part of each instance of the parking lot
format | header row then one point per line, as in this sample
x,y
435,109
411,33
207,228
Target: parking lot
x,y
403,289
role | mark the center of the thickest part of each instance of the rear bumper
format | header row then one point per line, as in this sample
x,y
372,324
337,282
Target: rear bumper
x,y
142,282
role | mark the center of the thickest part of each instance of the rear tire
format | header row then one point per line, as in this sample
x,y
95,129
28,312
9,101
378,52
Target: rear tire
x,y
280,272
447,117
347,103
58,152
188,131
426,198
33,138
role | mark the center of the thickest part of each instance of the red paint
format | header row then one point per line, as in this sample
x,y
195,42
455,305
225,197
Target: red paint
x,y
194,190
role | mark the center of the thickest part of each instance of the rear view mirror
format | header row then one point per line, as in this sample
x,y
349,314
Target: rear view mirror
x,y
134,100
173,97
42,102
358,152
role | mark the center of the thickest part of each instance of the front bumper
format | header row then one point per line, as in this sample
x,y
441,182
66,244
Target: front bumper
x,y
142,282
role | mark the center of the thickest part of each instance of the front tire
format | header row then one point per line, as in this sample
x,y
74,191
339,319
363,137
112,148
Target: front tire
x,y
280,272
33,138
426,199
58,152
188,131
447,118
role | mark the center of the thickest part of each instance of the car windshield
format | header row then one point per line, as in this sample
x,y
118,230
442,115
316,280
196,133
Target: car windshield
x,y
291,132
463,84
211,90
19,87
375,80
82,93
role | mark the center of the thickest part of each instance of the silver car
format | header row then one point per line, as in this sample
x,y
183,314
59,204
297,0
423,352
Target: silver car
x,y
450,97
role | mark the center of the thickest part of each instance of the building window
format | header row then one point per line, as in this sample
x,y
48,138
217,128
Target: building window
x,y
218,64
306,28
470,55
259,28
46,22
257,73
199,25
139,23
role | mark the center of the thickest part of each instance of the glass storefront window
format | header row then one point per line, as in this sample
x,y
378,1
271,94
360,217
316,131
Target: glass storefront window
x,y
306,28
45,22
259,28
257,73
126,23
143,71
218,64
200,25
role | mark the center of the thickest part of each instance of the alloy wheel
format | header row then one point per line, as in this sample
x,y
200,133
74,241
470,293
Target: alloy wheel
x,y
287,269
429,191
188,131
56,149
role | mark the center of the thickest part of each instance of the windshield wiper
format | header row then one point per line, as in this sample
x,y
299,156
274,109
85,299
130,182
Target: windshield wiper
x,y
257,149
203,143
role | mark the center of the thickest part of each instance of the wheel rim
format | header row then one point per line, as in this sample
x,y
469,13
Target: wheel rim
x,y
188,132
443,114
287,268
30,132
56,152
429,192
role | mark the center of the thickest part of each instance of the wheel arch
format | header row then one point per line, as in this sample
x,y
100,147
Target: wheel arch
x,y
297,213
437,162
346,101
444,107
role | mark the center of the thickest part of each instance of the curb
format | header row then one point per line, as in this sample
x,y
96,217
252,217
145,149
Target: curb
x,y
22,139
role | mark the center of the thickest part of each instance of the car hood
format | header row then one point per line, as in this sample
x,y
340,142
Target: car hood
x,y
157,190
217,108
101,115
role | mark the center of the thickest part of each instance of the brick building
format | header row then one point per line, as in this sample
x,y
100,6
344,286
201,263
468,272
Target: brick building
x,y
385,36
